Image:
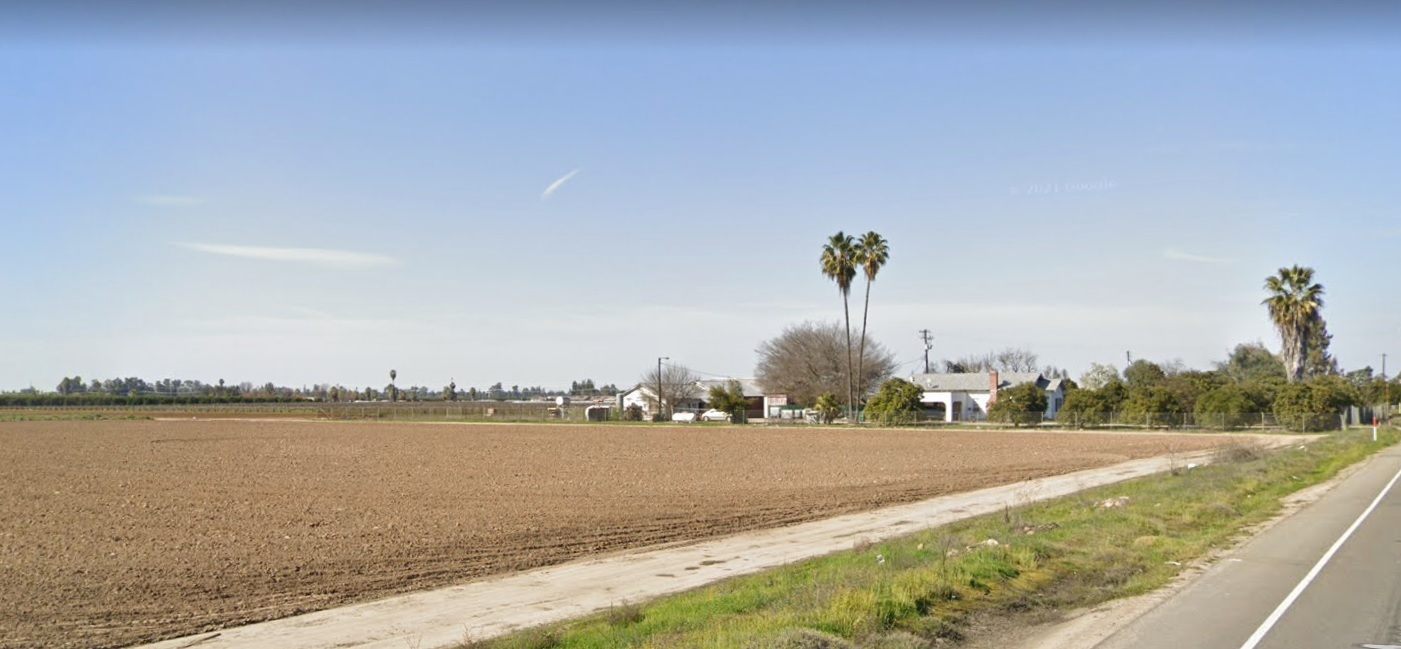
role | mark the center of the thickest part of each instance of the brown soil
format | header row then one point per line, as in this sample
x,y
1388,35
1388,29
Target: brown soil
x,y
118,532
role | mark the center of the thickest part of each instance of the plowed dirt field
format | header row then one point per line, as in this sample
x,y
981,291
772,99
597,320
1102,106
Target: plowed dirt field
x,y
119,532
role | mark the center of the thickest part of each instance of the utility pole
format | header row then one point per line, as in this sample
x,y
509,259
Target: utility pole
x,y
1386,408
928,339
1128,358
659,382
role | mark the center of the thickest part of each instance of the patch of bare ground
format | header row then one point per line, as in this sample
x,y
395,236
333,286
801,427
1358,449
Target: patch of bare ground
x,y
119,532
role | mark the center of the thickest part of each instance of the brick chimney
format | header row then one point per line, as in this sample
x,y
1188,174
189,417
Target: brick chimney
x,y
992,377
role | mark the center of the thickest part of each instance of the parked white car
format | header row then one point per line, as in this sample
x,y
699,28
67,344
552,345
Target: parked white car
x,y
715,415
683,417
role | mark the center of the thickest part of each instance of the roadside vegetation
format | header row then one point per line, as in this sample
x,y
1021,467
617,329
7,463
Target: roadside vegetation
x,y
1028,564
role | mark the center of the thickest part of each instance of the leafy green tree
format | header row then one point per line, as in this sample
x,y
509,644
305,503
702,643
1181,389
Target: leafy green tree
x,y
839,265
872,253
897,402
828,408
1370,389
1021,405
1313,405
1087,408
1156,405
729,398
1230,407
450,392
1294,303
1143,374
1250,363
1197,382
1318,362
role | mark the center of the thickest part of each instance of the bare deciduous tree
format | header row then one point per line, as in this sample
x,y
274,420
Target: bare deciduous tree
x,y
1099,376
675,384
1011,359
809,359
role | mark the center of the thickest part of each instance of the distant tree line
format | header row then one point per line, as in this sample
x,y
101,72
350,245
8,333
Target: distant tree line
x,y
76,391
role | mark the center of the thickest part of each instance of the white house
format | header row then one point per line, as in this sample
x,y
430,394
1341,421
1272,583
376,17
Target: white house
x,y
967,396
643,396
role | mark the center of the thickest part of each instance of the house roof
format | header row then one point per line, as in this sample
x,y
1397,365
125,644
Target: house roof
x,y
960,382
750,387
980,381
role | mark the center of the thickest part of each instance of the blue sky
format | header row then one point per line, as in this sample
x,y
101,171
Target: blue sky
x,y
318,197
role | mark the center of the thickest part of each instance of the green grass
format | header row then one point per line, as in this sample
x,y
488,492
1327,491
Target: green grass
x,y
1049,557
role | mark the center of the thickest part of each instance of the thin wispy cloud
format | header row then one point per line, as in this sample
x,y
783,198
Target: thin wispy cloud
x,y
1179,255
169,200
1222,146
554,186
344,259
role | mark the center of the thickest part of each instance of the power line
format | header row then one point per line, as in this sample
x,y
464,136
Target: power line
x,y
701,372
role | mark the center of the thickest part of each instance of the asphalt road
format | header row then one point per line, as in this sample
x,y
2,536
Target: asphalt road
x,y
1351,600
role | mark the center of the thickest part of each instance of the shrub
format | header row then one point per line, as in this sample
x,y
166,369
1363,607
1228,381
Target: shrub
x,y
729,399
1313,406
1022,405
897,402
1154,406
1229,407
827,408
1086,409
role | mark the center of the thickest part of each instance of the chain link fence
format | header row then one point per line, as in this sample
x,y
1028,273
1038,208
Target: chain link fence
x,y
541,411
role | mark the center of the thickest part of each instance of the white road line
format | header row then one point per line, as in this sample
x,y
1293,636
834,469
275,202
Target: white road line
x,y
1279,611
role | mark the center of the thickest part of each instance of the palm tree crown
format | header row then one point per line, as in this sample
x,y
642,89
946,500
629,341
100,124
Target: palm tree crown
x,y
839,265
872,253
1294,303
839,261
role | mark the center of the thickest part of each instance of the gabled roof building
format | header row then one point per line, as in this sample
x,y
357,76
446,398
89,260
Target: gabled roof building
x,y
967,396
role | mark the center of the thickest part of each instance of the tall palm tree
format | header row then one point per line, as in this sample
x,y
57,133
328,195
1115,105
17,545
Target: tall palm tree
x,y
393,389
872,252
1295,302
839,265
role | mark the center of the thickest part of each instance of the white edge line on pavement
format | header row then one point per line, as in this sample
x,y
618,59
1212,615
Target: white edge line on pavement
x,y
1279,611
